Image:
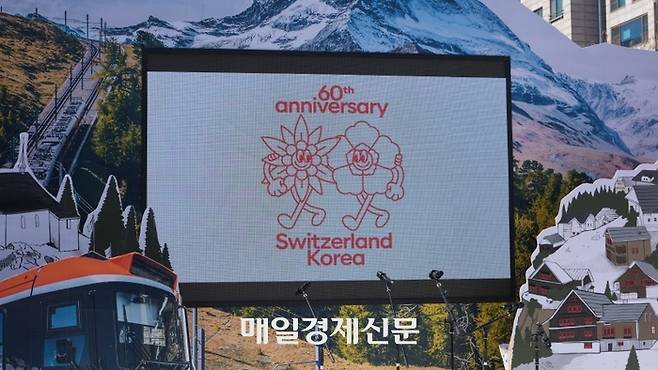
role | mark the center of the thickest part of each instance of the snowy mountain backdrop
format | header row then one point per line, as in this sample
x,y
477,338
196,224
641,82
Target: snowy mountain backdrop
x,y
565,120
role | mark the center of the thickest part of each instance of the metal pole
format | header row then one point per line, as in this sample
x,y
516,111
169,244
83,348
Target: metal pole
x,y
485,363
195,323
319,358
200,348
319,349
536,353
66,23
451,332
397,345
87,27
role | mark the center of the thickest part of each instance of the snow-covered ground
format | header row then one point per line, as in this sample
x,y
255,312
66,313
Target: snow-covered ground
x,y
600,361
545,302
587,250
18,257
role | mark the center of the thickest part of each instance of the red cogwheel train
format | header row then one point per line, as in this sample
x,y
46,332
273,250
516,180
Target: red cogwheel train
x,y
92,312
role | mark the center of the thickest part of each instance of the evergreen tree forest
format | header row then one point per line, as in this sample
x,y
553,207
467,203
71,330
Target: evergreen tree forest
x,y
115,230
591,203
116,139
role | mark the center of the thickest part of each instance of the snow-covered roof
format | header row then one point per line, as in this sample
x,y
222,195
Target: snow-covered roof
x,y
650,175
578,273
559,273
21,192
595,301
553,239
607,212
563,275
623,312
647,197
647,269
626,234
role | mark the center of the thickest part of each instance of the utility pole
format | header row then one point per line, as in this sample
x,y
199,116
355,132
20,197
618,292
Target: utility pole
x,y
36,11
87,27
66,23
55,99
100,40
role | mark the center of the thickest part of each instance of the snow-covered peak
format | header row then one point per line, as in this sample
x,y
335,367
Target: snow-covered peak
x,y
558,104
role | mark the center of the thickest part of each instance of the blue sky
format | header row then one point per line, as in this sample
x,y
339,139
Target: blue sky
x,y
128,12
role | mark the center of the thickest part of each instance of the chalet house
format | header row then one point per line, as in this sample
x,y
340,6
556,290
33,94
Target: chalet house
x,y
605,216
586,222
644,199
550,243
624,183
576,225
588,322
624,245
640,280
30,214
552,281
646,177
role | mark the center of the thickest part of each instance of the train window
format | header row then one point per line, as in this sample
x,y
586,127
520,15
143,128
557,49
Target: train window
x,y
63,351
63,316
149,328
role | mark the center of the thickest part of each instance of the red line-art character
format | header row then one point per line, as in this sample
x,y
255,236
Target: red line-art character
x,y
298,164
370,164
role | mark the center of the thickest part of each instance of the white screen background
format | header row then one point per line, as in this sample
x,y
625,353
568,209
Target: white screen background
x,y
204,173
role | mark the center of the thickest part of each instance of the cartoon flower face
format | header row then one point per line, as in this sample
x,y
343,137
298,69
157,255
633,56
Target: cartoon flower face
x,y
299,158
369,158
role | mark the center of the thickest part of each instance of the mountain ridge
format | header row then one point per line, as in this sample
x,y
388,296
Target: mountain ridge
x,y
550,108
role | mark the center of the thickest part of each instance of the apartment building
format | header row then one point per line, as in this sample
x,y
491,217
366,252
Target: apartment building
x,y
630,23
583,21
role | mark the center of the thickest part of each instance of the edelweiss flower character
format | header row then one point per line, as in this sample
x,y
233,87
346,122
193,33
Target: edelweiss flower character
x,y
371,164
298,164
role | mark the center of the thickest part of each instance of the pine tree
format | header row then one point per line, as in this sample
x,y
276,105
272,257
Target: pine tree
x,y
130,223
608,292
148,237
632,363
165,257
108,227
66,197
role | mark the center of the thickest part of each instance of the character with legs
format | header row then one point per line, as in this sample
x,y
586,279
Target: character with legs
x,y
298,165
371,166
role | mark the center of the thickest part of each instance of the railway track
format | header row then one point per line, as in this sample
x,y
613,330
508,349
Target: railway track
x,y
60,121
49,120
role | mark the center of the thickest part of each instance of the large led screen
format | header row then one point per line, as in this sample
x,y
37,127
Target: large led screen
x,y
270,169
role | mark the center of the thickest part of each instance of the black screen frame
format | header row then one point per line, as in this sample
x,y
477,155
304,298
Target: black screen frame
x,y
303,62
